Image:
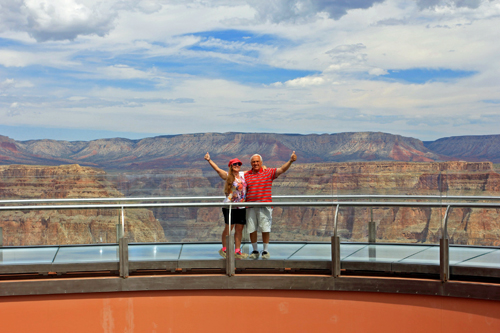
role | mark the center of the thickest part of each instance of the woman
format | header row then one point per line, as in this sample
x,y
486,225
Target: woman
x,y
235,189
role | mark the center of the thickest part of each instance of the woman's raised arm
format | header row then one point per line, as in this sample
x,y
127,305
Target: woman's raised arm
x,y
222,173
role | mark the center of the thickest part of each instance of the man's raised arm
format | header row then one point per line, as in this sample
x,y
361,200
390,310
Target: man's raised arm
x,y
287,165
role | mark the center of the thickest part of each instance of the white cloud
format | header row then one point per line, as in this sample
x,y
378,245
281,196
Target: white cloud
x,y
12,84
305,82
13,58
303,10
377,71
8,83
424,4
57,19
123,72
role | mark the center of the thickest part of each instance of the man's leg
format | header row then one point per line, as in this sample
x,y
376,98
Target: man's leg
x,y
265,237
252,229
267,219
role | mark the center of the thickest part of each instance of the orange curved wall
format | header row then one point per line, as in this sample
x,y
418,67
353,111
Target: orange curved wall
x,y
246,311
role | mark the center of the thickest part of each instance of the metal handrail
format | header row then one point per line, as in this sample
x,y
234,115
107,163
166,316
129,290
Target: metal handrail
x,y
278,197
260,204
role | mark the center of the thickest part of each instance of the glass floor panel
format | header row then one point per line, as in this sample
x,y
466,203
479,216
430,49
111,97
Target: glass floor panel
x,y
411,254
27,256
457,255
154,252
87,254
491,259
277,251
200,252
324,251
384,253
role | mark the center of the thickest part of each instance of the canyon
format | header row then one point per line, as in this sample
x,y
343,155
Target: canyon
x,y
393,224
404,224
67,226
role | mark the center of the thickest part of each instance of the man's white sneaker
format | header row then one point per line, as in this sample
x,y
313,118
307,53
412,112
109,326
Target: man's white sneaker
x,y
254,255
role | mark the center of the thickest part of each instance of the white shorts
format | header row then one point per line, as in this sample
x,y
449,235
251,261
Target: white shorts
x,y
259,219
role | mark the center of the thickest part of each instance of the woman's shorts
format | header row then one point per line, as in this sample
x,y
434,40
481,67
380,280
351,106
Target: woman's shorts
x,y
238,216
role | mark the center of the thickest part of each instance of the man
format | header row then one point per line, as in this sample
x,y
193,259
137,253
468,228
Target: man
x,y
259,184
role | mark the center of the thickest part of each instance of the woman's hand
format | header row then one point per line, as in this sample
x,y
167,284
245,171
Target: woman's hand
x,y
207,157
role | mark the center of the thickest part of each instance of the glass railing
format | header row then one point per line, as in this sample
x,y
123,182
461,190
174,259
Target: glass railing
x,y
128,218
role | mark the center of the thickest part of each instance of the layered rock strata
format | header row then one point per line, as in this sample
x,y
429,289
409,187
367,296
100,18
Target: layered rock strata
x,y
393,224
72,226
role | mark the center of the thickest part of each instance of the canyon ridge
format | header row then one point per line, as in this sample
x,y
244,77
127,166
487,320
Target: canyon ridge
x,y
187,150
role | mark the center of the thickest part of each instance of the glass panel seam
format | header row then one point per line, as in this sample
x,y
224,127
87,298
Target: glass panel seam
x,y
353,252
411,255
303,245
474,257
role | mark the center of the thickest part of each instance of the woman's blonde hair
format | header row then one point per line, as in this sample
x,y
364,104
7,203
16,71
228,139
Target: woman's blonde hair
x,y
229,181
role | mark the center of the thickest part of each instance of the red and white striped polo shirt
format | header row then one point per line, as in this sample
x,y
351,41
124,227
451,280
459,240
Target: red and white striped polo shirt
x,y
259,185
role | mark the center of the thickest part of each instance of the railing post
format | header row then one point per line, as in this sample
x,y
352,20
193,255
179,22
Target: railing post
x,y
230,249
335,256
444,250
119,233
1,243
335,246
372,236
372,230
230,254
123,222
123,250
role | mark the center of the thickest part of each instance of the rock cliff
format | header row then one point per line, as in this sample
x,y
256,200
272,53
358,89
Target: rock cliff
x,y
406,225
393,224
49,227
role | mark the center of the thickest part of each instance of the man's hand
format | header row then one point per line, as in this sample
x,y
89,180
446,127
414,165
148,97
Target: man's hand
x,y
287,165
207,156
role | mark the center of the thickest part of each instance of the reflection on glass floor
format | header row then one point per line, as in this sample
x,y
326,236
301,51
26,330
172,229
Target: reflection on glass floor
x,y
350,252
27,256
87,254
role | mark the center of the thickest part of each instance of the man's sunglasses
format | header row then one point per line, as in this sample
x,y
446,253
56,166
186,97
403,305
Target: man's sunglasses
x,y
236,164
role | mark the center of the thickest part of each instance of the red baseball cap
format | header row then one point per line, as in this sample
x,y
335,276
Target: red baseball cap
x,y
234,160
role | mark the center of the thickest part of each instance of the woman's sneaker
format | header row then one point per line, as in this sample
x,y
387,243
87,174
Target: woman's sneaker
x,y
222,253
240,255
254,255
265,255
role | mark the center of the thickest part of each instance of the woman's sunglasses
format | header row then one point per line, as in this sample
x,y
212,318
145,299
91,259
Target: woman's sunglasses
x,y
236,164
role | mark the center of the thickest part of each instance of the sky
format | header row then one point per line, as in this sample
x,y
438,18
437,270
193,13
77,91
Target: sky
x,y
86,69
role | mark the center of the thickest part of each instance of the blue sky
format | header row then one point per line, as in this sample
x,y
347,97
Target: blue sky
x,y
85,69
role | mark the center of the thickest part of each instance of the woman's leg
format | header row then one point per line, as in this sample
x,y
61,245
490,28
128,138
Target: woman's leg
x,y
238,235
225,233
